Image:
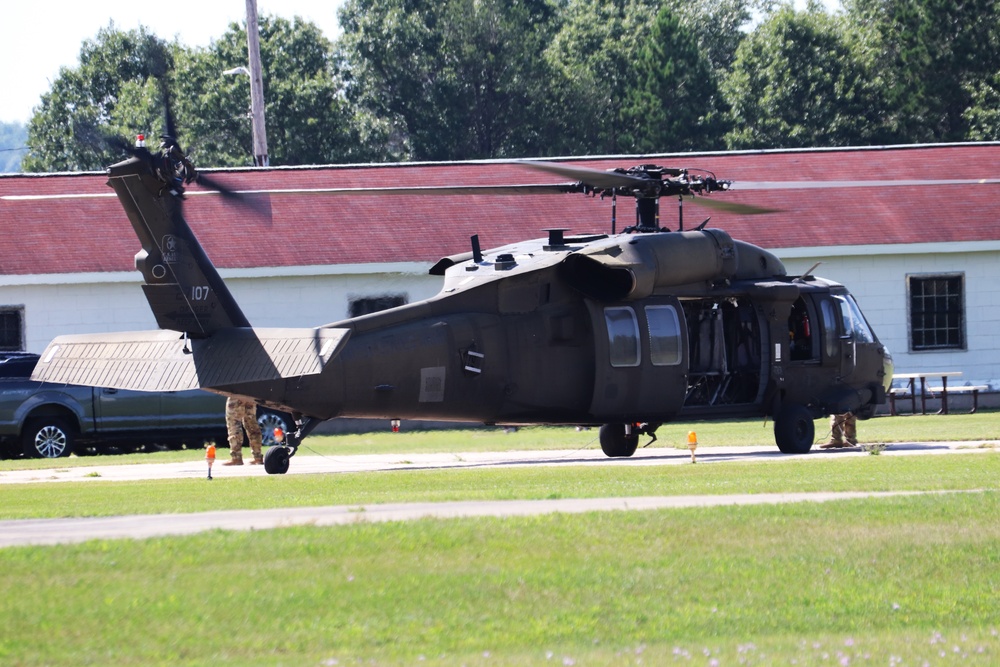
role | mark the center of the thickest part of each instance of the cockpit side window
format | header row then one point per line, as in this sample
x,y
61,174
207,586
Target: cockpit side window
x,y
827,310
855,324
800,332
623,336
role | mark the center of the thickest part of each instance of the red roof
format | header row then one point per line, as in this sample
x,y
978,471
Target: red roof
x,y
93,234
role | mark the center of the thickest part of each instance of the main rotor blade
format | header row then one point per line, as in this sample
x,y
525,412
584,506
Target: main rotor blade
x,y
813,185
219,189
592,177
730,207
527,189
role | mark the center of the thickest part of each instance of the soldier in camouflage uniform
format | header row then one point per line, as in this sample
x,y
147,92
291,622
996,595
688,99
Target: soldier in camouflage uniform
x,y
241,414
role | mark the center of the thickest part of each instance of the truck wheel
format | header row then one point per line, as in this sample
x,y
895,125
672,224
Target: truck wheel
x,y
47,438
794,430
271,420
615,443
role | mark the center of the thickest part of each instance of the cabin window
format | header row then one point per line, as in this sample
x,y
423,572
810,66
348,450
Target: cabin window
x,y
937,312
664,335
12,328
373,304
623,336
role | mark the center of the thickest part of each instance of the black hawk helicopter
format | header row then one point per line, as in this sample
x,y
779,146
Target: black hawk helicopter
x,y
625,331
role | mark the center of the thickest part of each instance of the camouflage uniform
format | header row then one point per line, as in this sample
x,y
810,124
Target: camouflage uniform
x,y
843,431
241,414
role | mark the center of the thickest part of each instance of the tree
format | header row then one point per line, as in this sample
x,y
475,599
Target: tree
x,y
675,104
124,78
796,83
115,87
719,26
592,57
983,115
457,79
308,120
930,56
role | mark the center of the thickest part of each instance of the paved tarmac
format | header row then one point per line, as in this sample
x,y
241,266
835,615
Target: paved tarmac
x,y
65,531
305,463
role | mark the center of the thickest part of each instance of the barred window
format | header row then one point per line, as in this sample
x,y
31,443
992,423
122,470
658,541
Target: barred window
x,y
937,312
11,328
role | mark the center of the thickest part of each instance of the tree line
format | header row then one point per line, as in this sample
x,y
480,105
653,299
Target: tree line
x,y
470,79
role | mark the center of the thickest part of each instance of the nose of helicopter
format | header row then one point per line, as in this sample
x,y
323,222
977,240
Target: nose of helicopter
x,y
888,368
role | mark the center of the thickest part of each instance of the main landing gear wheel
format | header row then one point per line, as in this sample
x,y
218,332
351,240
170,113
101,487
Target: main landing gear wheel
x,y
794,430
615,443
276,460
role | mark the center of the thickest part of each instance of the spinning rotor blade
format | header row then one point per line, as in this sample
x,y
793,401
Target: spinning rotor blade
x,y
242,198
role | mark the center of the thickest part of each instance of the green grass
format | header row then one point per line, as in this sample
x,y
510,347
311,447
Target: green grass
x,y
979,470
898,581
893,581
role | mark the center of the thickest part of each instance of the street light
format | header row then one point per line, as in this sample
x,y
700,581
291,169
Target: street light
x,y
256,117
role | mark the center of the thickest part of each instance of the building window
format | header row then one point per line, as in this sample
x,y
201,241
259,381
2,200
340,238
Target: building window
x,y
12,328
937,312
373,304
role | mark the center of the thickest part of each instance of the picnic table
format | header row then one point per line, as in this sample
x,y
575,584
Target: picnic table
x,y
910,389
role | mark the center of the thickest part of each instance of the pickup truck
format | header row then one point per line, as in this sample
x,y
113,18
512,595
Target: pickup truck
x,y
39,419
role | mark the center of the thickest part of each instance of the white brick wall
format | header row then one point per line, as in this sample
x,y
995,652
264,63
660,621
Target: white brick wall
x,y
95,303
311,296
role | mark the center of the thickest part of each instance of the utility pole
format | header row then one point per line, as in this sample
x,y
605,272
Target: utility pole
x,y
256,87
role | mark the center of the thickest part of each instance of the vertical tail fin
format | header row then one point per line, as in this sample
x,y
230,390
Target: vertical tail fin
x,y
183,288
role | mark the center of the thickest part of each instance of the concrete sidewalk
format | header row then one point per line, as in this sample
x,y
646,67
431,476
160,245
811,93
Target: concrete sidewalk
x,y
27,532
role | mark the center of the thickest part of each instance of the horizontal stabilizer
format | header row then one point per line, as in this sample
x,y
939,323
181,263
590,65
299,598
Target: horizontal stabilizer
x,y
165,361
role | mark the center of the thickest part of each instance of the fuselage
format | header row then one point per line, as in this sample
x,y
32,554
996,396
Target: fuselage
x,y
598,331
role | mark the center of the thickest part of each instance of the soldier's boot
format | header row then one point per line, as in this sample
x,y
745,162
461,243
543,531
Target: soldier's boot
x,y
851,434
258,459
234,460
832,444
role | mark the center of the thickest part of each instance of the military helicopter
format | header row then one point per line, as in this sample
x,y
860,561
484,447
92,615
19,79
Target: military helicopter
x,y
623,330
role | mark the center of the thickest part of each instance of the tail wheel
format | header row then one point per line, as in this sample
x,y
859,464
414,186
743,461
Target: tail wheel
x,y
794,430
276,460
48,438
616,443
